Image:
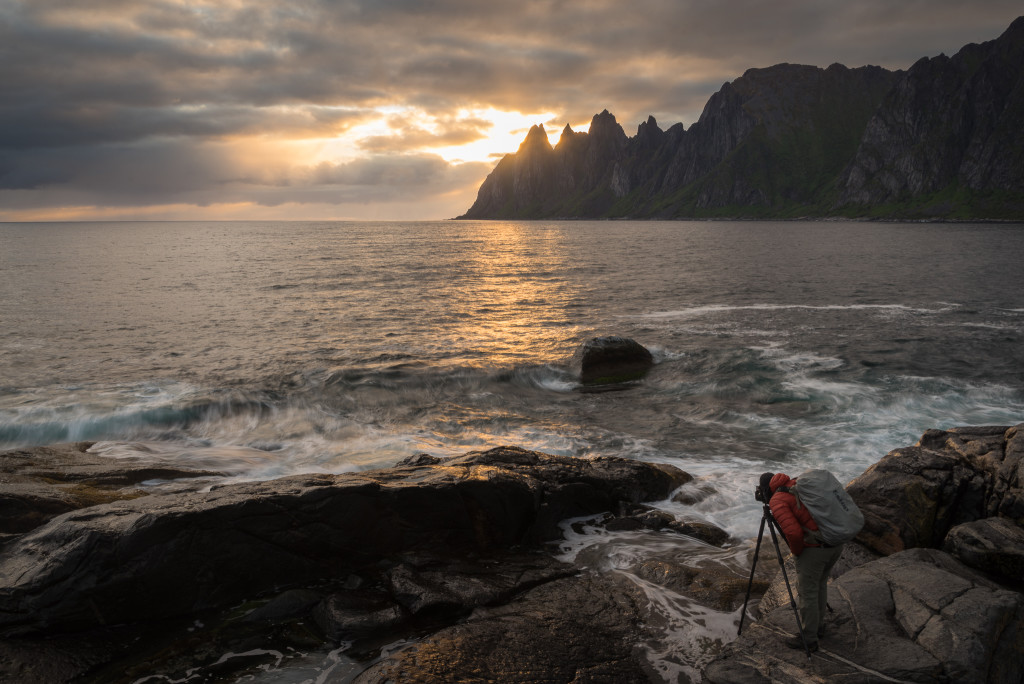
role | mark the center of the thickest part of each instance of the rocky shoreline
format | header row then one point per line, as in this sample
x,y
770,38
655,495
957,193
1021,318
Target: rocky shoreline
x,y
931,589
451,558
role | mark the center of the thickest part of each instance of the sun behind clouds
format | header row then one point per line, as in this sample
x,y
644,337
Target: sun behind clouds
x,y
465,135
507,130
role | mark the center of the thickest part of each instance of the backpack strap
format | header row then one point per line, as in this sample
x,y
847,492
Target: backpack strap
x,y
792,490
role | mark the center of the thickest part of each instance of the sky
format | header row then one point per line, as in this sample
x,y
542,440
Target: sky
x,y
380,109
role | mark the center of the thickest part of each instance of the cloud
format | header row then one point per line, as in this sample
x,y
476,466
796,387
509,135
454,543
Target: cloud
x,y
409,134
157,97
199,174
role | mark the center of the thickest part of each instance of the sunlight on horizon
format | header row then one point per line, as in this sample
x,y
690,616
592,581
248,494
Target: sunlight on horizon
x,y
504,132
466,136
508,131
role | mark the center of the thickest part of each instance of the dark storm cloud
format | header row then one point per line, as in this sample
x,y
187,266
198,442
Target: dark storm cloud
x,y
204,175
51,124
109,84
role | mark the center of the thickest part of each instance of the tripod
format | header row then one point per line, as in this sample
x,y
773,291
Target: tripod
x,y
766,517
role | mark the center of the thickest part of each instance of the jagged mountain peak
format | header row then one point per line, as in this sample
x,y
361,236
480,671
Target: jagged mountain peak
x,y
603,121
650,125
942,139
536,138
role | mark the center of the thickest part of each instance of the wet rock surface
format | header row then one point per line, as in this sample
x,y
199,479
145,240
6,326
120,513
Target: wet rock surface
x,y
39,484
441,570
930,591
124,560
170,583
582,629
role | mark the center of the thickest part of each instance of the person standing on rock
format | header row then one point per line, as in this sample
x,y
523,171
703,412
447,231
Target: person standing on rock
x,y
814,559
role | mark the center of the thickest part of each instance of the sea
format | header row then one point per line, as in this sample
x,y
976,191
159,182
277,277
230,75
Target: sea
x,y
264,349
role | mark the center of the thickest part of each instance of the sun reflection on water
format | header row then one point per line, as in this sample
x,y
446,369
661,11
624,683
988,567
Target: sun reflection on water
x,y
511,299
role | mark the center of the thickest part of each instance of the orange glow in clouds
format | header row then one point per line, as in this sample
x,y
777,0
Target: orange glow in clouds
x,y
403,130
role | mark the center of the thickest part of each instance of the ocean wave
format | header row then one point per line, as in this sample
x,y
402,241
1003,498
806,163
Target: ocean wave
x,y
91,413
711,309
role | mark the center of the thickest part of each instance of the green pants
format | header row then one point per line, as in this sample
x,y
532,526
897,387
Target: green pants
x,y
812,567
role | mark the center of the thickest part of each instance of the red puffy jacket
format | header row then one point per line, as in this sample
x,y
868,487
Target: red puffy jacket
x,y
793,519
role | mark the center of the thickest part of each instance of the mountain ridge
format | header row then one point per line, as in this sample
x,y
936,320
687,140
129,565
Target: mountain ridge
x,y
941,140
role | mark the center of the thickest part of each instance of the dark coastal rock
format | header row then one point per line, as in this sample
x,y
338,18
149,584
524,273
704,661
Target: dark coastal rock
x,y
631,517
693,493
466,585
993,545
611,360
713,586
698,529
436,591
167,555
914,496
361,614
917,614
449,555
581,629
41,483
292,603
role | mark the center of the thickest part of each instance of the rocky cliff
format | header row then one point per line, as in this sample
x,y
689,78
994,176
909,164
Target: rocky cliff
x,y
941,140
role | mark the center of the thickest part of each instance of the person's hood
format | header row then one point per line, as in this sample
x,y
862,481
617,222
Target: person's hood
x,y
779,480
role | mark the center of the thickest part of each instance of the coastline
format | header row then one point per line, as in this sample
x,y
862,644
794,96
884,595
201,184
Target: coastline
x,y
448,581
747,219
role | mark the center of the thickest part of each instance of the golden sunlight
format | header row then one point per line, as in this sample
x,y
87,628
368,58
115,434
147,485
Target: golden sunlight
x,y
467,135
507,131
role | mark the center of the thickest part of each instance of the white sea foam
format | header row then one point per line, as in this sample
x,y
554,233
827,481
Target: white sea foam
x,y
984,326
682,634
713,309
291,667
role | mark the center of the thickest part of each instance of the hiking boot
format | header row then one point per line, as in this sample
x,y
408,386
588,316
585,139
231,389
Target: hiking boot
x,y
797,642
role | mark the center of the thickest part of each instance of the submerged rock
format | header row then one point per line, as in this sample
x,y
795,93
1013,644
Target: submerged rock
x,y
611,360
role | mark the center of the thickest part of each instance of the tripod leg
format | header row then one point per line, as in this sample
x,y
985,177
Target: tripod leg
x,y
750,582
792,601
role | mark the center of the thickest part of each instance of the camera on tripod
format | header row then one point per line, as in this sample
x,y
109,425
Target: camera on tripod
x,y
761,495
763,490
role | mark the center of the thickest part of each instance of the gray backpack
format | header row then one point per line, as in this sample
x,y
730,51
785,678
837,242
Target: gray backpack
x,y
839,520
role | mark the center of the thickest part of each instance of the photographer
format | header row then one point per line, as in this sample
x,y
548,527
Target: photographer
x,y
814,558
